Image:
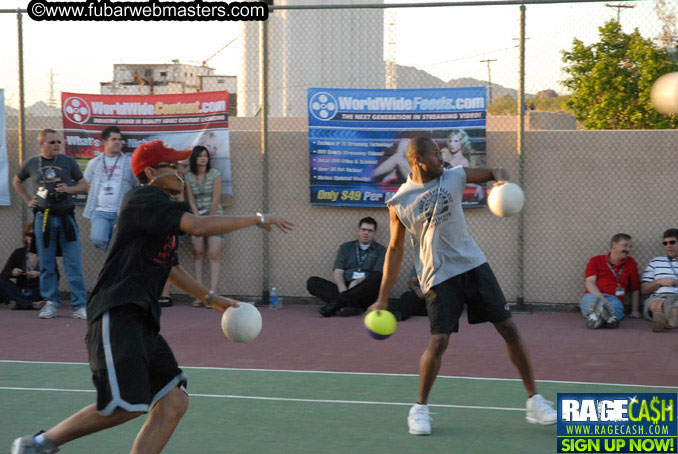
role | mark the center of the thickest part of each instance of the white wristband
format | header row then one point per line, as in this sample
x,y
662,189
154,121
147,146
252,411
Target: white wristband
x,y
260,224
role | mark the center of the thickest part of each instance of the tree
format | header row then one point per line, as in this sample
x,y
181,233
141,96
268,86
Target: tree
x,y
669,35
610,80
506,105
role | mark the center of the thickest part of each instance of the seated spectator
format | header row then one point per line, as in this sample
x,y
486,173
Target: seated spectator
x,y
20,278
412,302
356,275
609,278
660,282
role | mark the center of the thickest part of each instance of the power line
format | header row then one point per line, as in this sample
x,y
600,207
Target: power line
x,y
619,8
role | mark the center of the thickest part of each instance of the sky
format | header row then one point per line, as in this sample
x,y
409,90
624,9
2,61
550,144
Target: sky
x,y
448,42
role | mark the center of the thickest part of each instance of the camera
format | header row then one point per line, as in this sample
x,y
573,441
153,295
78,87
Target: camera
x,y
47,198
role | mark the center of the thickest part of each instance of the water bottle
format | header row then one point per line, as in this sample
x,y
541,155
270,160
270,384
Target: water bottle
x,y
274,302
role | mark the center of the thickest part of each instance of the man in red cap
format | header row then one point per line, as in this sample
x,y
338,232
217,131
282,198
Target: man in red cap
x,y
133,369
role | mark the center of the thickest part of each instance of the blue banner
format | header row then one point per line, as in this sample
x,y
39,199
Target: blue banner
x,y
358,138
616,422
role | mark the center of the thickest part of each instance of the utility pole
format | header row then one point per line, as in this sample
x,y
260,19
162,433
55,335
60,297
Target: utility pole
x,y
619,8
52,102
489,78
390,69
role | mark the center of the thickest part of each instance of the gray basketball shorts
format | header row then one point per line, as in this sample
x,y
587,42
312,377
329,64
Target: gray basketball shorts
x,y
132,365
478,289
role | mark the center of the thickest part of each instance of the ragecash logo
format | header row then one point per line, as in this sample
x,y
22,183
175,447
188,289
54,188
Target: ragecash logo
x,y
323,106
77,110
617,423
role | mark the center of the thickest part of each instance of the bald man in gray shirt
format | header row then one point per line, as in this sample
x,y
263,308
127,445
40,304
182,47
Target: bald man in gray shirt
x,y
452,271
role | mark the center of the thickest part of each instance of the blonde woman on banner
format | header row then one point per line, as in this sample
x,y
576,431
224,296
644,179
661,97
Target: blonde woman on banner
x,y
456,152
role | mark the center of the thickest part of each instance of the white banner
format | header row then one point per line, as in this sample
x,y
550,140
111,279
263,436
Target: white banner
x,y
4,163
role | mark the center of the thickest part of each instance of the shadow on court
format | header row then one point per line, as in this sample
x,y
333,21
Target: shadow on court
x,y
344,402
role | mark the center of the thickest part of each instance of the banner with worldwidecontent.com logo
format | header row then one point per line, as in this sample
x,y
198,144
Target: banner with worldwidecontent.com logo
x,y
617,423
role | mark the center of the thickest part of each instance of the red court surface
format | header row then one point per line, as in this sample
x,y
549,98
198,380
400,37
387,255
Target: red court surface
x,y
298,338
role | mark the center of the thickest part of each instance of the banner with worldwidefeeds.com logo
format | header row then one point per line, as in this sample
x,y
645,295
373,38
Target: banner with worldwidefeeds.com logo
x,y
617,423
358,140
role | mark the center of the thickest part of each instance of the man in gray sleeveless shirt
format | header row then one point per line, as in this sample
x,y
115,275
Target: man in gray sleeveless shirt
x,y
452,271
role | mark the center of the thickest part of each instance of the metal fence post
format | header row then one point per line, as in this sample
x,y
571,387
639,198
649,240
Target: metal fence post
x,y
263,106
22,106
521,163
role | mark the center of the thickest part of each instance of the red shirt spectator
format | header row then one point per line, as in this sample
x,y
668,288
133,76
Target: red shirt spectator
x,y
626,272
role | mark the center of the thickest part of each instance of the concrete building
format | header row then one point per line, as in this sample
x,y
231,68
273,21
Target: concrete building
x,y
338,48
167,78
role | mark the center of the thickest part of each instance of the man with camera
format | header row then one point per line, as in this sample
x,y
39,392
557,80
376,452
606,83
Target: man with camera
x,y
55,177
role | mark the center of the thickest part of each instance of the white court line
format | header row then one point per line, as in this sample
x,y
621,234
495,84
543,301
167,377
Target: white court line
x,y
376,374
283,399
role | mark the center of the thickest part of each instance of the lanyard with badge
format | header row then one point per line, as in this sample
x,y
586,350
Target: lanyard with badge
x,y
617,277
360,256
672,268
108,189
51,173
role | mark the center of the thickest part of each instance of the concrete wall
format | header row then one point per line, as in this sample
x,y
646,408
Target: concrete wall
x,y
581,188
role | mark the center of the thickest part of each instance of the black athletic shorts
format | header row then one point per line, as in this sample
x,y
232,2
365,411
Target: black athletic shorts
x,y
478,289
132,365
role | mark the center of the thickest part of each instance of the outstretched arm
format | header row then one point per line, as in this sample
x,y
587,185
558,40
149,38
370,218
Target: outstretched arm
x,y
393,261
179,277
216,225
484,174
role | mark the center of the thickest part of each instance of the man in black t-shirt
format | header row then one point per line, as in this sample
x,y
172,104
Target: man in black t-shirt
x,y
55,177
133,368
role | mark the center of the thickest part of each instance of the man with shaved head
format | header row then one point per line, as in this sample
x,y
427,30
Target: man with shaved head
x,y
452,271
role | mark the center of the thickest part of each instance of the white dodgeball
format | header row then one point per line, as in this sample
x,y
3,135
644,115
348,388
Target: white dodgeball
x,y
506,200
664,94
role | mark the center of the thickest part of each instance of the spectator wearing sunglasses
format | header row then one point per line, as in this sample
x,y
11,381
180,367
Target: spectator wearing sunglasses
x,y
660,282
609,280
55,177
356,276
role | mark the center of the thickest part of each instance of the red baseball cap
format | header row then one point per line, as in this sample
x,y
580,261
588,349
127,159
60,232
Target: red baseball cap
x,y
151,153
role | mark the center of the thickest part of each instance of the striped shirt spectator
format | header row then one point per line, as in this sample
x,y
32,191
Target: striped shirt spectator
x,y
660,281
661,267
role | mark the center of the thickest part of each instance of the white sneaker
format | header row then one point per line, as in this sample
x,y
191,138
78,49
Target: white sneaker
x,y
419,420
49,311
28,445
540,410
606,312
80,313
593,321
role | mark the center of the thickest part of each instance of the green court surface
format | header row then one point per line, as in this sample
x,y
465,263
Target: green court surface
x,y
267,411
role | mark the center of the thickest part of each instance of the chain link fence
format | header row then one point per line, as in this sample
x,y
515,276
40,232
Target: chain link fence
x,y
581,186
